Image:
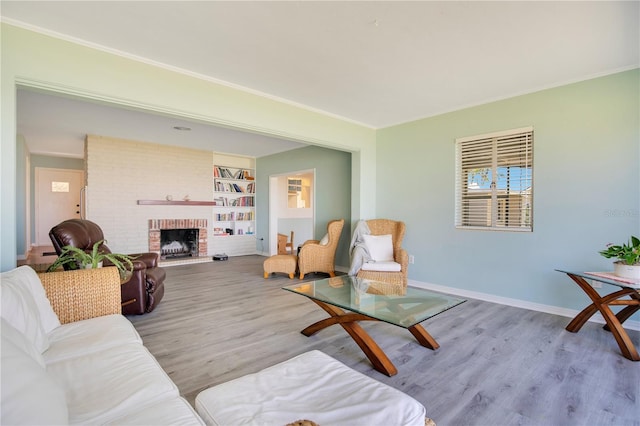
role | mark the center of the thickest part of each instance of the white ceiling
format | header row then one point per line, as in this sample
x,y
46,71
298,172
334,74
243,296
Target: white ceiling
x,y
376,63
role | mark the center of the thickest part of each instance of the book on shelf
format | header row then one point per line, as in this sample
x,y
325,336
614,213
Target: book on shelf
x,y
234,187
243,202
221,201
232,173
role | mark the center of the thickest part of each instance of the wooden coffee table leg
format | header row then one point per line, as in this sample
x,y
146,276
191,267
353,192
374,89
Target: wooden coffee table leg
x,y
613,323
626,313
376,355
423,337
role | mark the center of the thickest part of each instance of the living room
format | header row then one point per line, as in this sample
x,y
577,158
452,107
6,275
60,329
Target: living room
x,y
586,152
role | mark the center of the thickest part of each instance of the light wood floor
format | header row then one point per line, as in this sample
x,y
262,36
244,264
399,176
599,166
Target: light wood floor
x,y
496,365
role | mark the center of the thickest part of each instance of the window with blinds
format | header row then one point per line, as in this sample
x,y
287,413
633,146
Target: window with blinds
x,y
494,181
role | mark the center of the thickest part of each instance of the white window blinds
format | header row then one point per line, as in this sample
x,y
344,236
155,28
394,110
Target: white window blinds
x,y
494,181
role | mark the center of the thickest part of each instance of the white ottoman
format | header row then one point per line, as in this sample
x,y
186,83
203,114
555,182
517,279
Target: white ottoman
x,y
311,386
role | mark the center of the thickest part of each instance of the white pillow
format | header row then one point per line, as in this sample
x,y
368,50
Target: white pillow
x,y
380,247
26,276
325,240
29,395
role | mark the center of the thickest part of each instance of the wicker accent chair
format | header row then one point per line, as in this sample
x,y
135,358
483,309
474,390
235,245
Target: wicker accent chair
x,y
316,257
397,230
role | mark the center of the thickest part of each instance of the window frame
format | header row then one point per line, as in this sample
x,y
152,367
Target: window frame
x,y
502,152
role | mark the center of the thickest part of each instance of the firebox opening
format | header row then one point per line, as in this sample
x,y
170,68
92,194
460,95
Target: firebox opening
x,y
178,243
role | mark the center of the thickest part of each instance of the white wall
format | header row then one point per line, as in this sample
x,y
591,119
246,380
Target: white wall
x,y
121,172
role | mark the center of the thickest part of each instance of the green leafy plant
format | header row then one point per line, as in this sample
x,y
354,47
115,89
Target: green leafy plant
x,y
629,254
77,258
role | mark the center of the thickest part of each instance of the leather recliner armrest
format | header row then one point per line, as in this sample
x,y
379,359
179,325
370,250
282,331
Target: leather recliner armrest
x,y
149,259
137,265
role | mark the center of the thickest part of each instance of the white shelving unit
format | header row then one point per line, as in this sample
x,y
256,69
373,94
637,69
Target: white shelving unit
x,y
234,211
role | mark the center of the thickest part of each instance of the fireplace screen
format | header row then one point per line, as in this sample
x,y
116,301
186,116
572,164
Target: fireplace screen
x,y
178,243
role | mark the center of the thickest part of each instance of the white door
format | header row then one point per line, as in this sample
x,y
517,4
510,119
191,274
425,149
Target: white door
x,y
57,196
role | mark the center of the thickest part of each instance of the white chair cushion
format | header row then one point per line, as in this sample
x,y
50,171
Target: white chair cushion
x,y
110,384
382,266
26,276
91,335
324,240
311,386
29,395
380,247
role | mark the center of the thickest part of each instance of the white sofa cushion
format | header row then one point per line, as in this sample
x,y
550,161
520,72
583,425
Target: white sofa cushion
x,y
29,395
311,386
176,411
91,335
112,383
380,247
382,266
26,276
17,338
20,310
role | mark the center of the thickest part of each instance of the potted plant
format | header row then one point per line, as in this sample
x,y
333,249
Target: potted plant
x,y
77,258
628,255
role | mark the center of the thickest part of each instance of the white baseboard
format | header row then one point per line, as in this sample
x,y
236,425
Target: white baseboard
x,y
565,312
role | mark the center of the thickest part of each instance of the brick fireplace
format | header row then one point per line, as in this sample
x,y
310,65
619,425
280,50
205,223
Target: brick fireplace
x,y
156,226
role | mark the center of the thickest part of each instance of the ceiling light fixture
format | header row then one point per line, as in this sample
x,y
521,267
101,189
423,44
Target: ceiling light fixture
x,y
182,128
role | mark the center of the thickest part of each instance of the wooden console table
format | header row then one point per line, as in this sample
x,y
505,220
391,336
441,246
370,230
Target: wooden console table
x,y
601,303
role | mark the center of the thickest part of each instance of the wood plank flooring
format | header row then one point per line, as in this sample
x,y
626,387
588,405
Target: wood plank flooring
x,y
496,365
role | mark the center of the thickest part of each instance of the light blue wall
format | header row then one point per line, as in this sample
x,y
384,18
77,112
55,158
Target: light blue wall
x,y
586,190
332,190
301,227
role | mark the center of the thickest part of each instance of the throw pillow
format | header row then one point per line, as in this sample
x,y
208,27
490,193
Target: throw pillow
x,y
380,247
325,240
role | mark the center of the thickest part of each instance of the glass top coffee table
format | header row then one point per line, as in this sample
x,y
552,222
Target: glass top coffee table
x,y
367,300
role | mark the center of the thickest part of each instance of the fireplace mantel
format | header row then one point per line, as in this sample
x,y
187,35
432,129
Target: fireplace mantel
x,y
175,203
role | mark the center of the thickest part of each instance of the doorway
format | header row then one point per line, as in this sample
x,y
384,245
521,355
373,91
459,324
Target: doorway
x,y
291,207
57,198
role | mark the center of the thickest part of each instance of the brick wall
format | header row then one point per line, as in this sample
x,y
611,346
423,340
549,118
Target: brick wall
x,y
121,172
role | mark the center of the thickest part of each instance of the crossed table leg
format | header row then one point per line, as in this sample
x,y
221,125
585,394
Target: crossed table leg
x,y
613,322
349,321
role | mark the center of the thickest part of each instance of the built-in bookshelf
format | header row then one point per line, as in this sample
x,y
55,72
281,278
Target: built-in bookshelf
x,y
234,197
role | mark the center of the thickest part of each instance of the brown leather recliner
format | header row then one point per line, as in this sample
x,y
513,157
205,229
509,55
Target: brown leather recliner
x,y
143,291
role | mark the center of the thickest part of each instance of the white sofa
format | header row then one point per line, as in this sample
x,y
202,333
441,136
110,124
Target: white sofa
x,y
91,371
69,357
